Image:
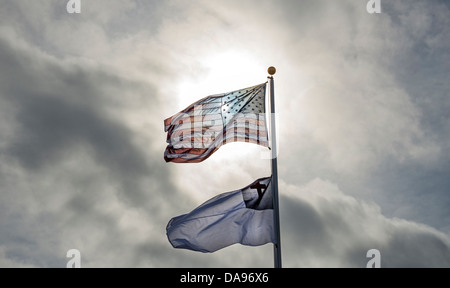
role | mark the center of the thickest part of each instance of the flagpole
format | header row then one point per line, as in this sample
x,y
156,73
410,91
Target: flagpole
x,y
276,213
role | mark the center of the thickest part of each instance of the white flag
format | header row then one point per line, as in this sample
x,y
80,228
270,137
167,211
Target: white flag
x,y
244,216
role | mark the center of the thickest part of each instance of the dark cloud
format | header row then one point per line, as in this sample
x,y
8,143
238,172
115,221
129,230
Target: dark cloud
x,y
339,230
61,120
70,112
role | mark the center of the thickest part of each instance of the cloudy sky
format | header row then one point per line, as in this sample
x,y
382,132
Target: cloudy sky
x,y
364,133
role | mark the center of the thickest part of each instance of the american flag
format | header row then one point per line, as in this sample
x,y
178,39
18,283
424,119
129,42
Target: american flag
x,y
199,130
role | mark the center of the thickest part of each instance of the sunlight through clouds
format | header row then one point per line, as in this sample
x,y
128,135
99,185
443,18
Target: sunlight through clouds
x,y
223,72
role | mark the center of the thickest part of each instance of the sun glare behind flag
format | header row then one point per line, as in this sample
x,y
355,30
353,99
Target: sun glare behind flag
x,y
243,216
198,131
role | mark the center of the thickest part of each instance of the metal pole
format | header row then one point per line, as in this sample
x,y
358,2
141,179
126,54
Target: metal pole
x,y
276,213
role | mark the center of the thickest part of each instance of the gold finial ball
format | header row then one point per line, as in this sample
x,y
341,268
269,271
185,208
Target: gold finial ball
x,y
272,70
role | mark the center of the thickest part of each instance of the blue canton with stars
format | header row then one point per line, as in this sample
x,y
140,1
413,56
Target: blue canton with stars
x,y
246,101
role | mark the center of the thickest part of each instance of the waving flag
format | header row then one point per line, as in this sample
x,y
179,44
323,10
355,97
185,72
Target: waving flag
x,y
244,216
199,130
